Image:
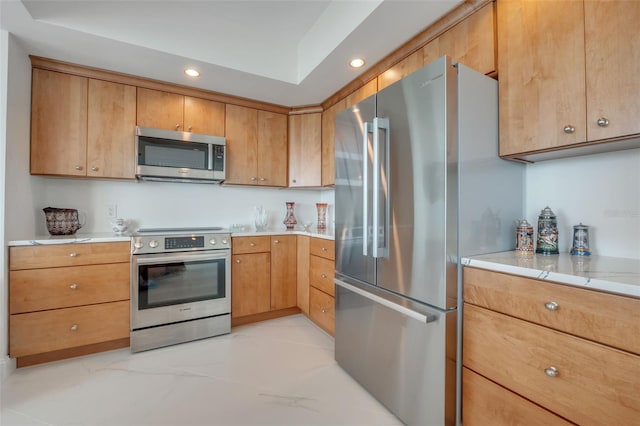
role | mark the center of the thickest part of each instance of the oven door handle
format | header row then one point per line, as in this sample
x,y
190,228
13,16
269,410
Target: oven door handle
x,y
144,259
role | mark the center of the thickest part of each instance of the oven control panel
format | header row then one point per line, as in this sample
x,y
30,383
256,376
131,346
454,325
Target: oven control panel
x,y
143,244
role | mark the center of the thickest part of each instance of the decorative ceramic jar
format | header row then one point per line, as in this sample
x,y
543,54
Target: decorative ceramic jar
x,y
322,215
524,237
289,219
581,240
547,232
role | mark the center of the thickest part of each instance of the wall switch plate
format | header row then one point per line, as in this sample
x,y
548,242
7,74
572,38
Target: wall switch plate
x,y
112,211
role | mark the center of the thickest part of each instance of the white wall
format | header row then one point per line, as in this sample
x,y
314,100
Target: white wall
x,y
600,190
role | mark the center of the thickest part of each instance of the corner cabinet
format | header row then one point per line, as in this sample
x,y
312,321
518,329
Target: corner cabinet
x,y
328,142
564,77
256,147
171,111
305,150
541,353
81,126
67,300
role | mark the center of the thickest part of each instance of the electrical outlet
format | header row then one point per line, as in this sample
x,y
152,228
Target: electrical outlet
x,y
112,211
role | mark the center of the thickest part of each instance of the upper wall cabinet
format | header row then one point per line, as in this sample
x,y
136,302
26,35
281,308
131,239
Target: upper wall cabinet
x,y
552,95
256,147
470,42
305,150
328,142
81,126
170,111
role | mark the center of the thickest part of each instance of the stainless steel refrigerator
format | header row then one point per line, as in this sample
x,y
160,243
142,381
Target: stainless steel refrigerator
x,y
419,185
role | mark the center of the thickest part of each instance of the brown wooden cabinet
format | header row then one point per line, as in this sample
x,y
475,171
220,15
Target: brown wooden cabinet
x,y
328,142
171,111
552,95
305,150
256,147
67,300
81,126
263,274
573,352
470,42
321,286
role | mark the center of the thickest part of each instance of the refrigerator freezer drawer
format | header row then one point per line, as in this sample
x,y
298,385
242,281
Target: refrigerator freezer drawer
x,y
400,357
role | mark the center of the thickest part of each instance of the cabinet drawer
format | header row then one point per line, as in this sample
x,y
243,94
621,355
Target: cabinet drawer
x,y
323,248
594,384
40,332
241,245
322,310
605,318
49,256
485,403
39,289
321,273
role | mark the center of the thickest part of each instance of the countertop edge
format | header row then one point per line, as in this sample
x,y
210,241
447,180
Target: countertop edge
x,y
562,277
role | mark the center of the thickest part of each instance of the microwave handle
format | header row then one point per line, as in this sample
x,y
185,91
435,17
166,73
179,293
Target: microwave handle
x,y
210,160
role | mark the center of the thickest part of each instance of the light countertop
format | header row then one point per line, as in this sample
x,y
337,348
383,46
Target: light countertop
x,y
112,237
610,274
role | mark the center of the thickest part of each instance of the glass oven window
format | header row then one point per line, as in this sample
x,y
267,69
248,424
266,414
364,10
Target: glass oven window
x,y
180,282
160,152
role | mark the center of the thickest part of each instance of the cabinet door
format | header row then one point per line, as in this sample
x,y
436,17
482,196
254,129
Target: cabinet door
x,y
471,42
203,116
272,149
111,132
160,110
612,60
283,272
305,150
542,75
250,284
402,69
302,266
241,132
58,124
328,142
322,310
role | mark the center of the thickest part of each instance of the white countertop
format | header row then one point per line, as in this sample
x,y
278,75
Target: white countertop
x,y
611,274
112,237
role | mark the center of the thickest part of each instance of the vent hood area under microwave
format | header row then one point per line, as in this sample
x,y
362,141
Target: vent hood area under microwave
x,y
172,156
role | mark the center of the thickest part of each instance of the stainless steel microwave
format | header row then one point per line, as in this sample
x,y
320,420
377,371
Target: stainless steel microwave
x,y
167,155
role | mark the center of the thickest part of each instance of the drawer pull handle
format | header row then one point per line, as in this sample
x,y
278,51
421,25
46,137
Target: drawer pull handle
x,y
73,286
324,249
74,254
551,371
276,241
237,260
252,244
74,327
324,275
552,306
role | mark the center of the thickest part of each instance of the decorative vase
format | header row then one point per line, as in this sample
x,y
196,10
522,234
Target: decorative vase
x,y
289,219
547,232
322,216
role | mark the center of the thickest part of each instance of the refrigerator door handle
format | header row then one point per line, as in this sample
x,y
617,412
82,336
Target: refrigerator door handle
x,y
421,315
365,188
380,123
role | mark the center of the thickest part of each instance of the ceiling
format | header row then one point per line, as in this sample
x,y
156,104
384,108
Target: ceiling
x,y
291,52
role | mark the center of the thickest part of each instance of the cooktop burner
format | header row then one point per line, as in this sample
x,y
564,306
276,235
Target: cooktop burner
x,y
168,231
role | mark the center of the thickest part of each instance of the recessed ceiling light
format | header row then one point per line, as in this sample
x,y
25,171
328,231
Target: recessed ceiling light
x,y
356,63
192,72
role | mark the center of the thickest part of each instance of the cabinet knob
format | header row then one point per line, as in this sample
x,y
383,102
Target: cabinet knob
x,y
602,122
263,179
323,248
551,371
252,244
324,275
190,128
237,260
569,129
323,310
253,179
294,181
73,254
94,169
276,241
74,327
78,167
73,286
552,306
177,126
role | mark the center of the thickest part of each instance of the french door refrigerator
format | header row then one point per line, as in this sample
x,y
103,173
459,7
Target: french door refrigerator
x,y
419,184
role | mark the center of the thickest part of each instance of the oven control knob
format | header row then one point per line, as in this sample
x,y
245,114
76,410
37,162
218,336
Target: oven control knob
x,y
212,241
225,241
154,243
138,244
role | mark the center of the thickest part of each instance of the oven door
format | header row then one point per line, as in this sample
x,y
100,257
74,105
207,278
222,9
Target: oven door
x,y
174,287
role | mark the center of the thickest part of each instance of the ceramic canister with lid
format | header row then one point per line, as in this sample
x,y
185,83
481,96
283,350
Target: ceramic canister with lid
x,y
547,241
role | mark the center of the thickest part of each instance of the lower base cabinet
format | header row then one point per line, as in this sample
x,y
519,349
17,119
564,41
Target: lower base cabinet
x,y
321,286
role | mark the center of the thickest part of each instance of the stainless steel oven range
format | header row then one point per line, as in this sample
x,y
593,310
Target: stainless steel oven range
x,y
180,286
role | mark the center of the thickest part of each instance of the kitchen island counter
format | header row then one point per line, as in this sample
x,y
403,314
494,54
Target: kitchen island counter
x,y
609,274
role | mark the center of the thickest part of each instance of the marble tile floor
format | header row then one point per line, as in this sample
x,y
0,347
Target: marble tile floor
x,y
277,372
